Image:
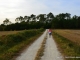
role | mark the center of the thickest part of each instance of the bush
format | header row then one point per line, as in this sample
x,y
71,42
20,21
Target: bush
x,y
12,43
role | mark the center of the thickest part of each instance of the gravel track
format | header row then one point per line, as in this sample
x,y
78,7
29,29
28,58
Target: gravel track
x,y
30,53
51,52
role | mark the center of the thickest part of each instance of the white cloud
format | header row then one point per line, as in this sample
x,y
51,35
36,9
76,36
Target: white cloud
x,y
8,9
14,8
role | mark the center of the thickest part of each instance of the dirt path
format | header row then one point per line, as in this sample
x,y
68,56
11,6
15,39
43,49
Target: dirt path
x,y
51,52
30,53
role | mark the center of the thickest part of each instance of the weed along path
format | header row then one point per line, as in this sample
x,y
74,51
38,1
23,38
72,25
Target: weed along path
x,y
30,53
51,52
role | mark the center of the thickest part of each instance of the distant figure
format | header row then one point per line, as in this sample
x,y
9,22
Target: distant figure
x,y
50,32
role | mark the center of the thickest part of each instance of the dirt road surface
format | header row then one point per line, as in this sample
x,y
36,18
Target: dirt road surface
x,y
51,52
30,53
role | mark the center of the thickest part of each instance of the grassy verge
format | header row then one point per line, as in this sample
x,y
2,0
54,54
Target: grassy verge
x,y
41,50
69,49
12,44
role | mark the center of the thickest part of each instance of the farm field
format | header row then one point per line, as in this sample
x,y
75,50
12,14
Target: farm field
x,y
68,42
8,32
73,35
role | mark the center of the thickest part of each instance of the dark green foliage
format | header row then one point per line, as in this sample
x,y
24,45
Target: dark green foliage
x,y
60,21
10,44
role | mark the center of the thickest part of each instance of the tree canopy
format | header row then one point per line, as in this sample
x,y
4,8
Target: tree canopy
x,y
60,21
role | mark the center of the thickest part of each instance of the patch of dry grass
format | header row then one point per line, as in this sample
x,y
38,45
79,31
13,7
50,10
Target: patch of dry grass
x,y
73,35
68,43
3,33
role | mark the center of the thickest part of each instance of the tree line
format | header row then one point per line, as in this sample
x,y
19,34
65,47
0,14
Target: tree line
x,y
60,21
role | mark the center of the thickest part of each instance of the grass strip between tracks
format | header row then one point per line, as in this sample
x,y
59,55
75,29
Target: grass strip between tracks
x,y
40,52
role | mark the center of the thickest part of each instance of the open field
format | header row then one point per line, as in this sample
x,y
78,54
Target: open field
x,y
8,32
68,42
73,35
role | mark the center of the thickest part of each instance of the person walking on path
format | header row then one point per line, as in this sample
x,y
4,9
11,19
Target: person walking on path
x,y
50,32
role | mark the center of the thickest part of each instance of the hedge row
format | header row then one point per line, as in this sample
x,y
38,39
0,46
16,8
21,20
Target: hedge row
x,y
10,43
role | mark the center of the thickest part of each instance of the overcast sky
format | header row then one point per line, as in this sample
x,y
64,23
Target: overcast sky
x,y
15,8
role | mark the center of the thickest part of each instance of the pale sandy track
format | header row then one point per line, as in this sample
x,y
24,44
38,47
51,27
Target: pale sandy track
x,y
30,53
51,52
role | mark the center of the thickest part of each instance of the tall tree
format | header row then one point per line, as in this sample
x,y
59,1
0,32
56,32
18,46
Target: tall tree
x,y
33,17
68,16
25,18
50,16
21,19
42,17
28,19
6,22
17,19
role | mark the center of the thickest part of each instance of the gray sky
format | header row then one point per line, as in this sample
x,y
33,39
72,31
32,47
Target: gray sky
x,y
14,8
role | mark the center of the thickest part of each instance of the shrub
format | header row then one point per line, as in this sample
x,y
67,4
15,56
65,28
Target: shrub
x,y
10,44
